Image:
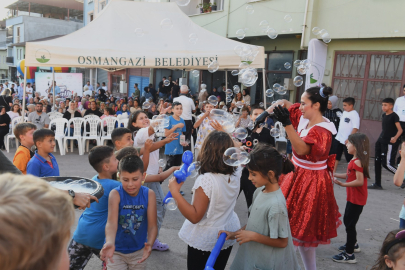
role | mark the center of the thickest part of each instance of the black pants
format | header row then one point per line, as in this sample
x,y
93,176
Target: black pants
x,y
173,160
247,187
189,128
350,219
385,154
80,255
340,148
196,259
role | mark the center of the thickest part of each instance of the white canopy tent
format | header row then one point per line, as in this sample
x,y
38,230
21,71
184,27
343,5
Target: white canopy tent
x,y
128,34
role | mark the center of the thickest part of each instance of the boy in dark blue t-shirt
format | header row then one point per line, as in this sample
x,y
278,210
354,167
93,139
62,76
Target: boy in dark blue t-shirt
x,y
43,163
174,149
132,227
89,235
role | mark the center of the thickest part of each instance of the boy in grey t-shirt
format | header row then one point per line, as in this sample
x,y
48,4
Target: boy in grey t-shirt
x,y
39,118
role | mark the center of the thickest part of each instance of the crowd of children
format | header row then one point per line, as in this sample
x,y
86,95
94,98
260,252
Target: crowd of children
x,y
122,227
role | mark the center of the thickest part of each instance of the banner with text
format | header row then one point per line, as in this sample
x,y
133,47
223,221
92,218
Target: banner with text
x,y
317,51
67,84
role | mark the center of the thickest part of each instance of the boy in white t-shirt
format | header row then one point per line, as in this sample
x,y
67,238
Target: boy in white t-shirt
x,y
29,91
349,124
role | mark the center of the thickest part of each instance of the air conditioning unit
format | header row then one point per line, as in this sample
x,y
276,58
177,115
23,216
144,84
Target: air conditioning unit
x,y
182,81
123,87
123,77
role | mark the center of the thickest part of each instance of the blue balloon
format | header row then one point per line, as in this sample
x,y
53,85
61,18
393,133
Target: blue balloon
x,y
182,174
215,252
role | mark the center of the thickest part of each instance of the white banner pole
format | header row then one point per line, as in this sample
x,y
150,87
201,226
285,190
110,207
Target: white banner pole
x,y
25,83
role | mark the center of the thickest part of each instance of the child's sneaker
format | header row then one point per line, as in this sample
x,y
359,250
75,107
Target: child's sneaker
x,y
344,258
160,246
356,248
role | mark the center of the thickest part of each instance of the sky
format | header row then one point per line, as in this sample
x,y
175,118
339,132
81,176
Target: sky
x,y
3,11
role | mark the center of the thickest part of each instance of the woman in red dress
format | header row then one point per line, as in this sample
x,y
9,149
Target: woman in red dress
x,y
312,209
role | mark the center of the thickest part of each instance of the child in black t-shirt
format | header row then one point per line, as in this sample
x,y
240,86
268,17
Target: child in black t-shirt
x,y
262,135
387,144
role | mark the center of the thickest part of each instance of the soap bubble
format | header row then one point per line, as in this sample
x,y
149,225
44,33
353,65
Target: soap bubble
x,y
287,65
138,32
213,66
235,72
297,63
264,25
240,33
171,204
162,163
275,132
240,133
238,50
298,81
228,92
192,38
228,99
326,37
271,33
365,152
213,100
183,3
166,82
251,125
228,126
302,70
269,93
193,169
261,104
166,24
235,156
288,18
218,114
281,90
224,108
243,65
306,63
273,102
240,104
316,31
249,77
146,105
236,89
339,114
195,73
276,86
249,9
322,31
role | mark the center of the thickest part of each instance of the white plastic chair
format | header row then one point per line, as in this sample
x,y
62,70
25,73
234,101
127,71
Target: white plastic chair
x,y
77,134
94,133
110,121
123,122
60,124
91,116
11,135
55,116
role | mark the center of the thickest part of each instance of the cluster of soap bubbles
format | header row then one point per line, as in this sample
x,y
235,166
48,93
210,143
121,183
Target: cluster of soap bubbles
x,y
321,33
159,123
235,157
81,185
213,66
277,88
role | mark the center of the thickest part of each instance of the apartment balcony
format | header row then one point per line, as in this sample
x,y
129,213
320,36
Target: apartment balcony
x,y
201,7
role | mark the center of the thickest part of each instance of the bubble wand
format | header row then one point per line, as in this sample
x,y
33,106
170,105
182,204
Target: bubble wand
x,y
181,176
215,252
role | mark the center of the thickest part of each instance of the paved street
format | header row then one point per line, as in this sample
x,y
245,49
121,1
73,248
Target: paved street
x,y
380,215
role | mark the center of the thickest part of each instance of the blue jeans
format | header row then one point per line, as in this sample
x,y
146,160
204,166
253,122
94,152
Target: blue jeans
x,y
401,223
162,95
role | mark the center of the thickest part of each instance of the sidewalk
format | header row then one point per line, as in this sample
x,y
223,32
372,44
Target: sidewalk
x,y
379,216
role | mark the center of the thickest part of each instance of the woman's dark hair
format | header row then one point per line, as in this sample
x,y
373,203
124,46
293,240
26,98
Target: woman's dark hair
x,y
265,158
212,152
132,119
362,145
393,254
314,96
247,92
